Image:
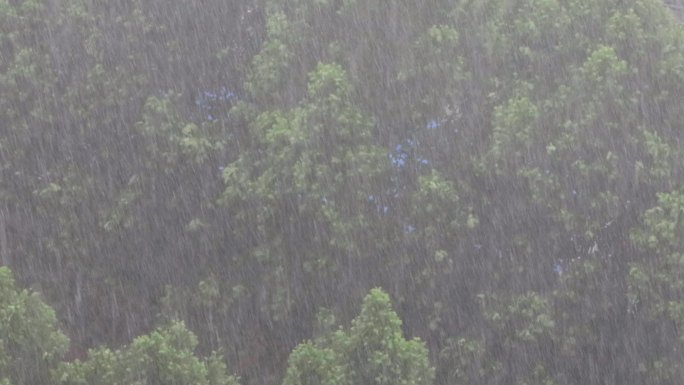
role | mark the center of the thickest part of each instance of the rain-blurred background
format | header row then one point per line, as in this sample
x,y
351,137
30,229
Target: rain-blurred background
x,y
334,192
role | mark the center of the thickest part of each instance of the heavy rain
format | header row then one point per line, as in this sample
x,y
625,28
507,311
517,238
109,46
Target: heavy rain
x,y
341,192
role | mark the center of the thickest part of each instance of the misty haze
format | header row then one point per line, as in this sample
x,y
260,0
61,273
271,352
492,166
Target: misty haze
x,y
341,192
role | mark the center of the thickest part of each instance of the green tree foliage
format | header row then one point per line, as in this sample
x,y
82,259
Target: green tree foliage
x,y
509,170
656,288
98,150
31,344
165,356
372,351
303,196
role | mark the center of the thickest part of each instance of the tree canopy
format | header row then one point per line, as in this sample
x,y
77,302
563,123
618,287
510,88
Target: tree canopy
x,y
509,172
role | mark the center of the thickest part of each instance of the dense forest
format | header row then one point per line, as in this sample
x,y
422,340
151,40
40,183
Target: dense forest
x,y
338,192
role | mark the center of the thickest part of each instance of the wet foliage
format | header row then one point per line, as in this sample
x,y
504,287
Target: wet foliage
x,y
208,192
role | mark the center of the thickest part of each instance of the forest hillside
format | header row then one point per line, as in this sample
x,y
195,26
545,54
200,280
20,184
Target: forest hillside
x,y
341,192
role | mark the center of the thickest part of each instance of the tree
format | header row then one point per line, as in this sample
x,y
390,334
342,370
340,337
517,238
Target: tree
x,y
165,356
31,343
97,149
656,290
372,351
509,170
299,199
